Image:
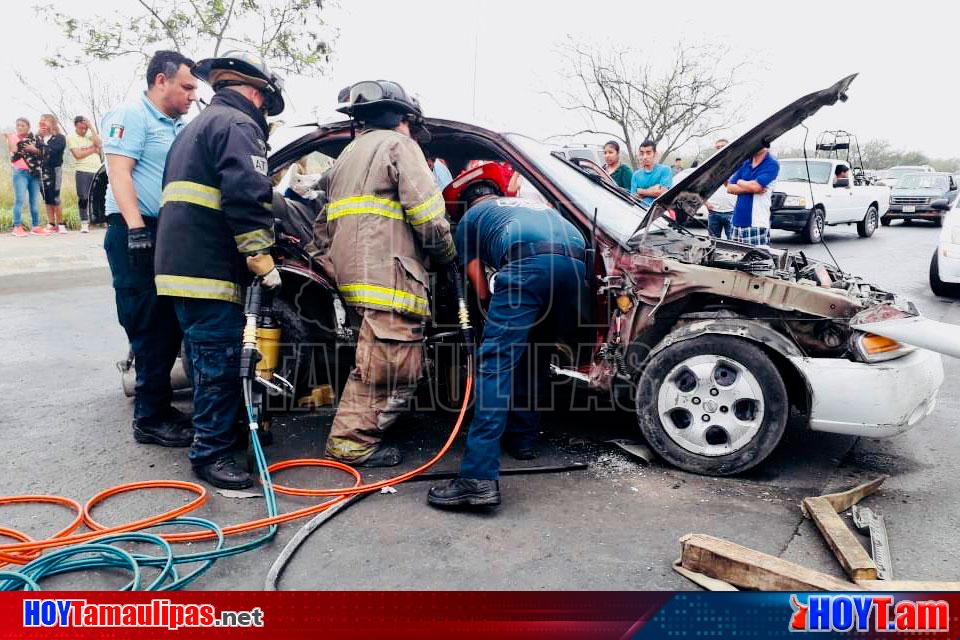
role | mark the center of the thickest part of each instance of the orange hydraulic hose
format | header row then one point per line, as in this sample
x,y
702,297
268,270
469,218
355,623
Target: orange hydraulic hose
x,y
27,549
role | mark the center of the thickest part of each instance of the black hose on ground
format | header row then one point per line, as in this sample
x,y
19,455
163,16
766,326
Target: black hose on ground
x,y
273,576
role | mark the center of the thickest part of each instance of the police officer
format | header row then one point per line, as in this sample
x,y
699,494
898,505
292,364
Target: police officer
x,y
539,257
216,227
136,138
383,218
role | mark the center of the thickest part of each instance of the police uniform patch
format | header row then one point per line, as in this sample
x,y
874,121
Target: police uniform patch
x,y
259,164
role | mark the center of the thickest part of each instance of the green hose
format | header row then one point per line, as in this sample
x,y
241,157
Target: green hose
x,y
102,553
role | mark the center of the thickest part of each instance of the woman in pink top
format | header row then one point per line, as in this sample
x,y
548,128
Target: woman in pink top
x,y
25,158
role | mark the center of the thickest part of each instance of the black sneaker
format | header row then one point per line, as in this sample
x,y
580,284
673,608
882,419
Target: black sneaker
x,y
172,430
465,492
224,473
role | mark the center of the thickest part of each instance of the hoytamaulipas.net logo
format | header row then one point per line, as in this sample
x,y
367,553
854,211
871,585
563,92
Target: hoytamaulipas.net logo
x,y
856,612
156,613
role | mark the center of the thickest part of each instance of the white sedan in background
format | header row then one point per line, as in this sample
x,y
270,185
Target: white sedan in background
x,y
945,264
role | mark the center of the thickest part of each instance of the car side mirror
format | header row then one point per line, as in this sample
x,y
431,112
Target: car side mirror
x,y
842,182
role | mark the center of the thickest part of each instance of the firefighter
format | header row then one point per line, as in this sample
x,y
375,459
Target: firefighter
x,y
539,259
216,227
384,215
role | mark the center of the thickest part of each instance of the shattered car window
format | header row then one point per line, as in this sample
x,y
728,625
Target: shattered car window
x,y
617,215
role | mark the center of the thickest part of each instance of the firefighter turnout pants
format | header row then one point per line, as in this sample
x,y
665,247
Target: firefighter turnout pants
x,y
380,386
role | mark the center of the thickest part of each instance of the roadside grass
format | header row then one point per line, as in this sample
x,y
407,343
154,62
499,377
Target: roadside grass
x,y
68,197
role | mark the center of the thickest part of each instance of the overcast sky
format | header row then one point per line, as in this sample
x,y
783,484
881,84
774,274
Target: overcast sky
x,y
905,54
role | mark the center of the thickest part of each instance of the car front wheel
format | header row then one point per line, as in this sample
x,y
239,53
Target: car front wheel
x,y
868,225
938,286
713,405
813,233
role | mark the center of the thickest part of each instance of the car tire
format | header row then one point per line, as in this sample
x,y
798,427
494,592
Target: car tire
x,y
938,286
938,221
697,395
868,225
885,221
813,232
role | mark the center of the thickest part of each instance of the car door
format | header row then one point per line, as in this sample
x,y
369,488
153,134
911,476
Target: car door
x,y
845,202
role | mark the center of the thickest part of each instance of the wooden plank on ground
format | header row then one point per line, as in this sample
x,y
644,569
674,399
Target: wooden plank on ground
x,y
908,585
701,580
843,500
750,569
854,559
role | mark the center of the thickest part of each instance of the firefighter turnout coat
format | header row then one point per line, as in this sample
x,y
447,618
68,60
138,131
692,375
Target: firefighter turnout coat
x,y
216,204
384,215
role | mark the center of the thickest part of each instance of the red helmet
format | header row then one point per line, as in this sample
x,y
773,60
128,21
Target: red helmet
x,y
471,183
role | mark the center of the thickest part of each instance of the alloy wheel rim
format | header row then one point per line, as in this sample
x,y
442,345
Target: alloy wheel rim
x,y
711,405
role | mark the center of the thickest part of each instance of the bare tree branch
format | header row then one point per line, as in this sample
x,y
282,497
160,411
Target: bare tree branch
x,y
673,106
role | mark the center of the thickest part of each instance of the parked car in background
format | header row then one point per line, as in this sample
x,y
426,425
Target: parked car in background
x,y
893,174
806,199
592,152
945,263
921,196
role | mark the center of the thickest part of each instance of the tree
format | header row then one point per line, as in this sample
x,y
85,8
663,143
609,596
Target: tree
x,y
290,35
81,93
632,101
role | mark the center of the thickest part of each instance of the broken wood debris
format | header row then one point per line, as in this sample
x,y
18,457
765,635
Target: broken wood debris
x,y
750,569
705,581
843,500
845,546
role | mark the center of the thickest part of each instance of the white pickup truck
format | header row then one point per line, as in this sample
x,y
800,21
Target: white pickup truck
x,y
806,198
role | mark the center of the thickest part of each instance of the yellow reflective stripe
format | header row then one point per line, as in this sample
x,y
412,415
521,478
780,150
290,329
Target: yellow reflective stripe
x,y
362,293
371,205
427,210
191,192
191,287
253,241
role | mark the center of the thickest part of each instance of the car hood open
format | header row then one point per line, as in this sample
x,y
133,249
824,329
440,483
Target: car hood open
x,y
708,177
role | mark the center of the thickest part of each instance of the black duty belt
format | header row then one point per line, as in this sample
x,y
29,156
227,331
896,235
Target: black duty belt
x,y
521,250
117,219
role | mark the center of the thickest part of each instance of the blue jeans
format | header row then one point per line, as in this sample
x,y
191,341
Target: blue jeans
x,y
719,222
24,184
150,323
540,292
212,331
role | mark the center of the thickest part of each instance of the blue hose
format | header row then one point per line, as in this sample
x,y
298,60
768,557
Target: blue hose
x,y
102,553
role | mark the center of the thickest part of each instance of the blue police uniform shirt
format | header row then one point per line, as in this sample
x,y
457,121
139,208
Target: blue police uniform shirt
x,y
491,227
764,173
139,130
659,174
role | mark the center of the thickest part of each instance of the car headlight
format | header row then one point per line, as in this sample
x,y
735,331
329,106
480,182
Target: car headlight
x,y
872,348
795,201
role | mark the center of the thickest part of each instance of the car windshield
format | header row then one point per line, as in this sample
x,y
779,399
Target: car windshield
x,y
898,172
796,171
617,215
923,181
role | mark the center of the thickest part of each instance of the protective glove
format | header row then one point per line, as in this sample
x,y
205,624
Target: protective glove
x,y
262,265
272,279
140,247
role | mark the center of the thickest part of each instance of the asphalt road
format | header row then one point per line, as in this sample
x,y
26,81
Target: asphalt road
x,y
66,430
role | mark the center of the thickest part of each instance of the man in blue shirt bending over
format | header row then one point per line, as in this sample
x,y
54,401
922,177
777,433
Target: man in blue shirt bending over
x,y
651,179
539,259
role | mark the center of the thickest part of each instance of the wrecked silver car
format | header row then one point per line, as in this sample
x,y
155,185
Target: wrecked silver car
x,y
711,341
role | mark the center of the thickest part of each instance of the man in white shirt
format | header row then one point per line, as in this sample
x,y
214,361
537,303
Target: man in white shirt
x,y
720,205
